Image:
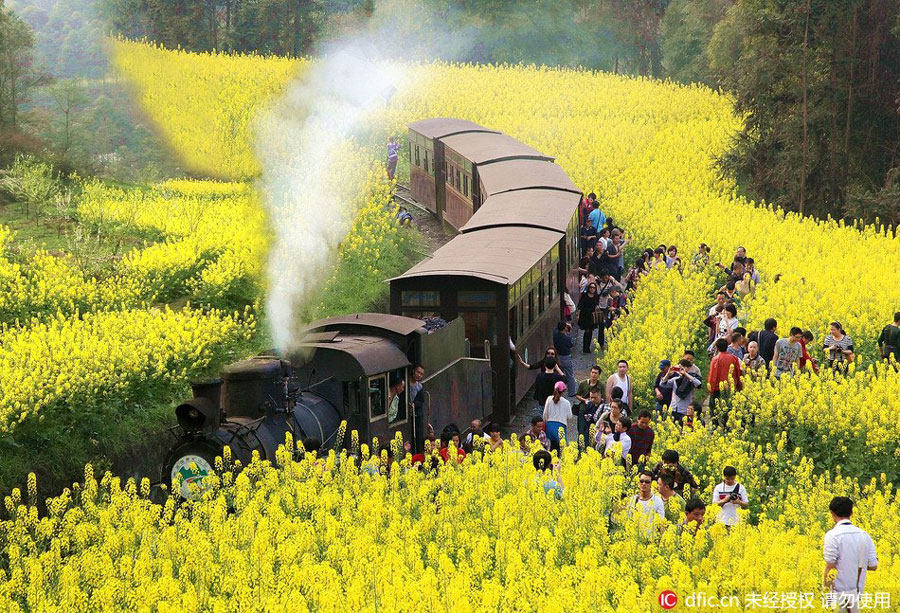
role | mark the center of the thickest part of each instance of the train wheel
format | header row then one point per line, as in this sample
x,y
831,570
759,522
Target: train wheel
x,y
195,461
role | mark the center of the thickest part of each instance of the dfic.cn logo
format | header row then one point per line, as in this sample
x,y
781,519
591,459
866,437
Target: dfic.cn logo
x,y
668,599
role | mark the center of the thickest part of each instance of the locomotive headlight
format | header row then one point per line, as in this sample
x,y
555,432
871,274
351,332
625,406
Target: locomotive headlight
x,y
196,414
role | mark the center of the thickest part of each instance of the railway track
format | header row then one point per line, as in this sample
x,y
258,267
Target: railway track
x,y
425,221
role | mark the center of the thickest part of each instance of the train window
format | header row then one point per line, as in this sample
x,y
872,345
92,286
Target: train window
x,y
551,287
514,323
541,306
420,299
417,155
397,402
524,317
465,185
426,160
377,396
554,253
476,300
530,307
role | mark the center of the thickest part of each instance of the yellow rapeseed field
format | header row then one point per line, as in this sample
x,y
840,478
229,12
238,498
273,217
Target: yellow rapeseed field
x,y
325,535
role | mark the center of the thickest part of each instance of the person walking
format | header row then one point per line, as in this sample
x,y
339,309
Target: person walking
x,y
730,495
673,503
546,380
586,410
641,435
556,415
766,339
850,552
562,342
723,369
889,340
788,352
645,507
622,380
393,154
606,285
588,315
663,394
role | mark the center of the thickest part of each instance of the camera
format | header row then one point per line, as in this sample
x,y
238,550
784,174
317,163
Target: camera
x,y
734,496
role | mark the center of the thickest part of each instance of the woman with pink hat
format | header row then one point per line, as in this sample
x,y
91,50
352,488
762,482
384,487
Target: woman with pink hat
x,y
557,410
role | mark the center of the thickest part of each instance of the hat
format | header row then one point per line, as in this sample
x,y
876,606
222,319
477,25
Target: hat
x,y
560,386
664,364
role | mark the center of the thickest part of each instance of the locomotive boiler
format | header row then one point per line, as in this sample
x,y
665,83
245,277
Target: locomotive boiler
x,y
355,368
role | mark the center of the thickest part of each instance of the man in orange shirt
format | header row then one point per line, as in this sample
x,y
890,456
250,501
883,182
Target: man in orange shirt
x,y
722,366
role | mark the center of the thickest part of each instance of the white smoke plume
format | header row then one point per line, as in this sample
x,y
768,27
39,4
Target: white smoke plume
x,y
306,179
302,144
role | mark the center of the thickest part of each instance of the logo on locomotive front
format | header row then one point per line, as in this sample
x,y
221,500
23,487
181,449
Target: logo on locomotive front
x,y
193,471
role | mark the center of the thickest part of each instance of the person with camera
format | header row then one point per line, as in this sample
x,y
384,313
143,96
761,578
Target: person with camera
x,y
730,495
670,465
683,382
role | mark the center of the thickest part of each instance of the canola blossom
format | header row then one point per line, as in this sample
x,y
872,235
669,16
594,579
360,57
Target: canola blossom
x,y
326,535
74,363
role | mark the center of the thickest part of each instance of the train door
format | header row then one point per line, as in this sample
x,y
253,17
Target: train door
x,y
479,312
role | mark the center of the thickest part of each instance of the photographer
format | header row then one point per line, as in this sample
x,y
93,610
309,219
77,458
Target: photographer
x,y
683,382
730,495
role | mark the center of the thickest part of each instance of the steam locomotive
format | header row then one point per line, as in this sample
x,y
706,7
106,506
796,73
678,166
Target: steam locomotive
x,y
344,368
499,283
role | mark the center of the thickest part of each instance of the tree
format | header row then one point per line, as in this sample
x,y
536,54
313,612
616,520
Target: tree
x,y
18,73
685,31
69,98
817,81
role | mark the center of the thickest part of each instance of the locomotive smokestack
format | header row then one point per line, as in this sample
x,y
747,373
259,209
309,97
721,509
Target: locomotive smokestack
x,y
211,389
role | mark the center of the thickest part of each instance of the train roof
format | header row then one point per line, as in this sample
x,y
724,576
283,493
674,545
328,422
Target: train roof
x,y
349,354
439,127
536,208
520,174
501,254
368,321
486,147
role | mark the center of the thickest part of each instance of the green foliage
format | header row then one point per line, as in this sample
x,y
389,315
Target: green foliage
x,y
686,30
32,183
68,35
819,90
18,75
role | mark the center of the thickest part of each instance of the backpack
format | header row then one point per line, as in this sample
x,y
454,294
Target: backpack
x,y
684,387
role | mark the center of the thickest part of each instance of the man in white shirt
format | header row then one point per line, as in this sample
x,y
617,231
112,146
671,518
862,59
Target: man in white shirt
x,y
646,507
730,495
850,551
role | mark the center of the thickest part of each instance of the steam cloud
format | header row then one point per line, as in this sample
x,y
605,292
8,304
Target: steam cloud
x,y
300,142
299,145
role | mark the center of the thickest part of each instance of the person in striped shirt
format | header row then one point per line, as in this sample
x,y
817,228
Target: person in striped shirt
x,y
838,347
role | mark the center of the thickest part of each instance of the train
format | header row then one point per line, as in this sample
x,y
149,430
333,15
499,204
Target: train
x,y
491,292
